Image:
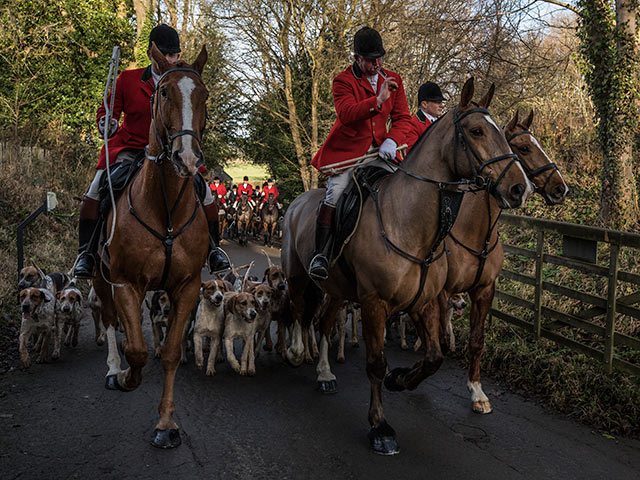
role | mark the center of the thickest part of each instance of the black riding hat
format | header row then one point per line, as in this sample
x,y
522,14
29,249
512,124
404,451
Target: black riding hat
x,y
166,38
368,43
430,92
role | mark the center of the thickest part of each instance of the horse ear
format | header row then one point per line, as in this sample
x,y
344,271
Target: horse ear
x,y
467,93
162,62
486,100
198,65
529,120
512,124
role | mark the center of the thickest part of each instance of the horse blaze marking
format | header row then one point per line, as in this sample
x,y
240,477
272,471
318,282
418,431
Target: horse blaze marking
x,y
187,86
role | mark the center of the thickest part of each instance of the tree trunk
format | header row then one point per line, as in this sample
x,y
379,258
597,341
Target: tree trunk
x,y
173,13
185,21
619,201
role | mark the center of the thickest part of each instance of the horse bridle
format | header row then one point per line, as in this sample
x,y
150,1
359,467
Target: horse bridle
x,y
169,238
167,148
531,174
471,153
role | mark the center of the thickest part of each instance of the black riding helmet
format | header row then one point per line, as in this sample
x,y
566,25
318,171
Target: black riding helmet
x,y
166,39
368,43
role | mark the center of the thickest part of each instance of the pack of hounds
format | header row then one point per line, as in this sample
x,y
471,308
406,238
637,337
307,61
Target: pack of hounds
x,y
229,309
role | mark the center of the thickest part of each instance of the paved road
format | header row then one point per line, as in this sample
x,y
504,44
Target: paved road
x,y
58,421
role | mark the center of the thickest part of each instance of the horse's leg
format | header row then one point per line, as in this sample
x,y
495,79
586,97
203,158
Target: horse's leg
x,y
403,331
166,434
326,379
400,379
157,336
481,299
354,328
305,300
314,342
382,437
127,300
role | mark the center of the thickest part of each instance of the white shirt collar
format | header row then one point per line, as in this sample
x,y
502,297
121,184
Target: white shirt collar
x,y
430,117
373,80
155,76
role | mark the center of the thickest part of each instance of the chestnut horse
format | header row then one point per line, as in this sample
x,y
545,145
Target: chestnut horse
x,y
395,259
160,240
476,254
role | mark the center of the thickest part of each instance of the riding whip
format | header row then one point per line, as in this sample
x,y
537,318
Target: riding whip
x,y
359,161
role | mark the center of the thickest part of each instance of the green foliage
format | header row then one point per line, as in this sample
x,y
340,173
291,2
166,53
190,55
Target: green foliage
x,y
53,62
610,67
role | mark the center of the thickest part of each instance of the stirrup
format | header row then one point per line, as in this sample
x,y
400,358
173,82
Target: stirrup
x,y
319,267
84,266
218,261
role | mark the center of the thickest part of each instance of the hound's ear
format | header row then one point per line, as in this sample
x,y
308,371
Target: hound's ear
x,y
231,305
467,93
146,302
80,297
266,272
48,296
486,100
512,124
59,294
162,62
527,123
198,65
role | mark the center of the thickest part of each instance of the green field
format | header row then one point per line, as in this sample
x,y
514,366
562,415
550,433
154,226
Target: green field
x,y
256,173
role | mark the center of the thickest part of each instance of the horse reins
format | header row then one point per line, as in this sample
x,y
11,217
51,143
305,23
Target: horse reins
x,y
531,174
486,250
449,199
169,238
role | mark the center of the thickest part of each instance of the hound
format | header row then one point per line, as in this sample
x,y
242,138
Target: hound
x,y
210,322
96,305
263,294
33,276
159,315
280,311
38,317
239,322
350,309
69,314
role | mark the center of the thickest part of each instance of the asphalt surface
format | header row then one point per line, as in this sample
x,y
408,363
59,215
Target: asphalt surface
x,y
58,421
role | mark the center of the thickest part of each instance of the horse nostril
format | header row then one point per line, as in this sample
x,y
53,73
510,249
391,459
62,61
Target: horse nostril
x,y
559,191
517,191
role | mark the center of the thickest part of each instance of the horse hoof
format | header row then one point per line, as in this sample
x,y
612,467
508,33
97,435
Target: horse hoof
x,y
166,438
383,440
391,379
111,382
482,407
328,387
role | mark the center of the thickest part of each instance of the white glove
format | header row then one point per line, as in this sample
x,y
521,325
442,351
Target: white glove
x,y
113,126
388,149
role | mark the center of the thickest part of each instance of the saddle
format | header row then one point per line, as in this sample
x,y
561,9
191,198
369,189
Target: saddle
x,y
123,173
349,207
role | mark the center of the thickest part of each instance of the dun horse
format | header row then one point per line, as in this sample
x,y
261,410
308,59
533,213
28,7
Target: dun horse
x,y
395,261
269,214
160,239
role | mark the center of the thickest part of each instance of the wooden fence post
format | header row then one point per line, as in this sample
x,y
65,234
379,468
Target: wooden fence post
x,y
610,328
537,313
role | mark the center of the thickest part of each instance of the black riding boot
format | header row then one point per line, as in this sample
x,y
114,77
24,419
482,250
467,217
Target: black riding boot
x,y
216,260
88,236
319,267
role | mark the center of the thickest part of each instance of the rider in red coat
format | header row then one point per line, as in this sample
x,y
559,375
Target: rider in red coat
x,y
219,190
245,187
431,103
270,189
365,97
127,141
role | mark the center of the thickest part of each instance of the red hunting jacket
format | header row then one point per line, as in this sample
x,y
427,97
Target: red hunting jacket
x,y
242,189
359,121
266,191
220,191
419,123
133,93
